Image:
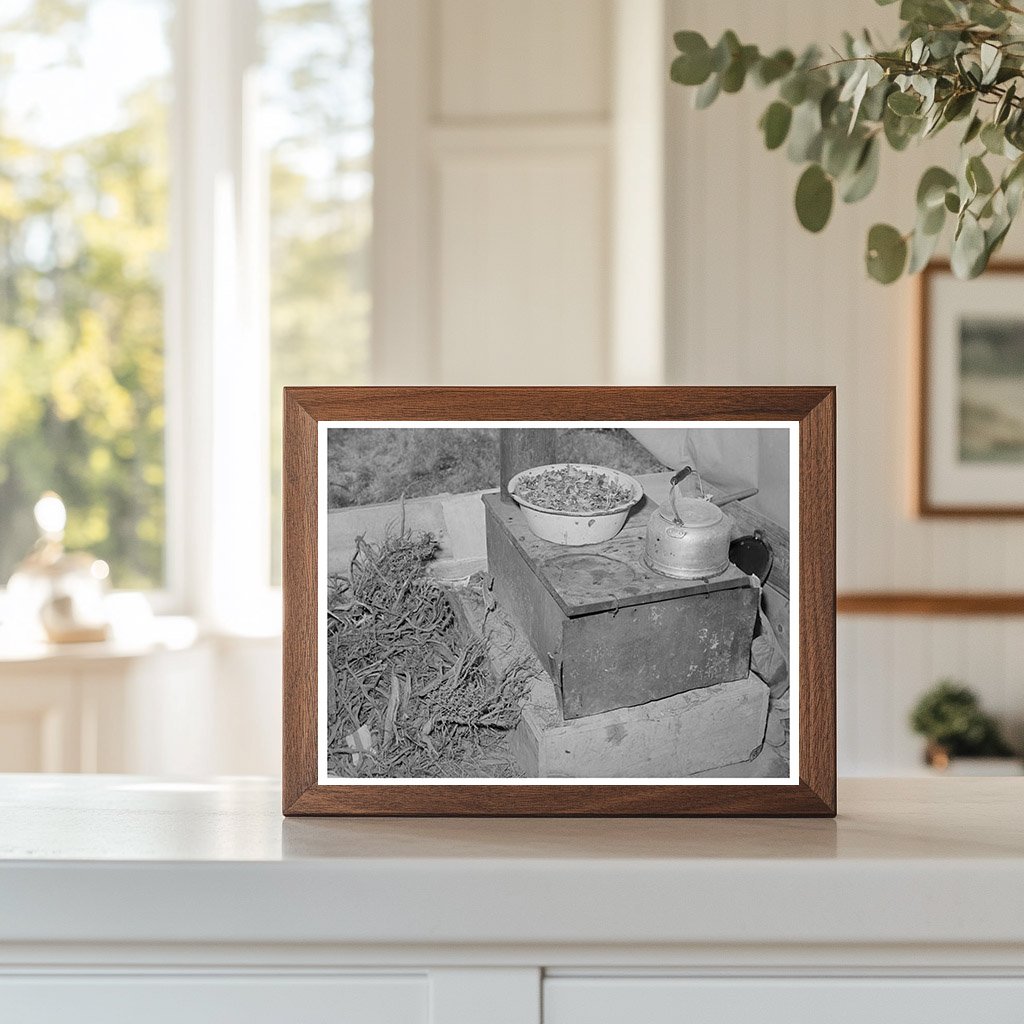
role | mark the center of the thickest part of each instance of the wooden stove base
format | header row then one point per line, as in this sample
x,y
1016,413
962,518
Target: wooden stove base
x,y
683,735
678,736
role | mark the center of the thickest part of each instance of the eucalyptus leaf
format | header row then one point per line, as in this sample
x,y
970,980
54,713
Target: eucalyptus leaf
x,y
991,61
931,191
932,221
973,130
958,105
873,106
840,152
794,88
1014,192
933,122
735,74
771,69
968,247
1005,105
724,51
904,103
922,248
987,15
805,133
814,196
978,176
775,124
900,130
886,253
993,138
865,174
707,93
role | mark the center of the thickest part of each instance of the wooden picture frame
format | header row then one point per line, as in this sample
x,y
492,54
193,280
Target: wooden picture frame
x,y
926,502
808,411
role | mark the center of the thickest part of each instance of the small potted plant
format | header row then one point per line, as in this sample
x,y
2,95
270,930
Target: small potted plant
x,y
950,718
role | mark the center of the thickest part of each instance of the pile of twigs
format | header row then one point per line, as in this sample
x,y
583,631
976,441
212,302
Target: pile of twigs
x,y
410,694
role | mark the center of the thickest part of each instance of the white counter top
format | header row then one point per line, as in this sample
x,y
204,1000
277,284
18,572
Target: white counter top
x,y
121,860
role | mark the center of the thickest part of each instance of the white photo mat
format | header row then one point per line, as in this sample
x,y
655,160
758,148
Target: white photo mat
x,y
794,667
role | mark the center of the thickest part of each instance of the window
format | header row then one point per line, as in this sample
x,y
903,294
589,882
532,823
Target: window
x,y
185,221
83,235
317,116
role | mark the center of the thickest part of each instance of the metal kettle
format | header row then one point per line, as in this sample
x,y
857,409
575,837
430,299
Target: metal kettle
x,y
688,537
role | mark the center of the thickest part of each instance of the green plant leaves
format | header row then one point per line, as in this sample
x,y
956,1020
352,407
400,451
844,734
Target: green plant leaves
x,y
887,253
707,93
865,173
991,61
978,176
983,13
814,196
904,103
932,189
973,131
956,60
993,138
735,74
922,248
900,130
693,65
775,122
969,253
805,133
771,69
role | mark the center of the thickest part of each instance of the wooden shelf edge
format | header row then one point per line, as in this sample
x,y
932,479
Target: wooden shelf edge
x,y
929,603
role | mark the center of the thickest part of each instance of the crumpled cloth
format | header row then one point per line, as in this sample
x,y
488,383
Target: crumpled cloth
x,y
769,661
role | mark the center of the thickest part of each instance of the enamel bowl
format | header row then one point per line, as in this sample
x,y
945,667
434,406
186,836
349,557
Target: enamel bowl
x,y
575,529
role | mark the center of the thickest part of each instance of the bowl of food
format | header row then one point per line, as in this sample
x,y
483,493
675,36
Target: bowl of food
x,y
573,503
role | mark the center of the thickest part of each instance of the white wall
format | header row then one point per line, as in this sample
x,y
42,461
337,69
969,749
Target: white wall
x,y
754,299
512,244
734,458
502,163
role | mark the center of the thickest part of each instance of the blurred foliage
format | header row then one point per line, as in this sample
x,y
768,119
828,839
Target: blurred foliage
x,y
82,228
83,235
957,61
950,716
318,104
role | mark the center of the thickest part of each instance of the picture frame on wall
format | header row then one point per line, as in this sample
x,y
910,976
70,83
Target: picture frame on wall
x,y
559,601
969,448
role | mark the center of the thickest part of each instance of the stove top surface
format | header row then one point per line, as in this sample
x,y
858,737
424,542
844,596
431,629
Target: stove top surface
x,y
606,576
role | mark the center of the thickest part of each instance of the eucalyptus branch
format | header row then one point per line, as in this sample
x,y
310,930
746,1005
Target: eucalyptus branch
x,y
833,118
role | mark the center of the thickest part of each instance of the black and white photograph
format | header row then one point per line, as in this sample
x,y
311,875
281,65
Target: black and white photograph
x,y
559,601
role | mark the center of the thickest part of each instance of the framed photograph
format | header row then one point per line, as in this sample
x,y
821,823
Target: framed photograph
x,y
970,445
559,601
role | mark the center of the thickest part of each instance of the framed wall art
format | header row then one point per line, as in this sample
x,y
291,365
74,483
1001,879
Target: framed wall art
x,y
970,423
559,601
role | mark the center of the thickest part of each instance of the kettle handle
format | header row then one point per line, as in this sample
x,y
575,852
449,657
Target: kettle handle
x,y
676,481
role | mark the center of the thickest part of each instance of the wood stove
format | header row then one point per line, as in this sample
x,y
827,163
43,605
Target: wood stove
x,y
611,632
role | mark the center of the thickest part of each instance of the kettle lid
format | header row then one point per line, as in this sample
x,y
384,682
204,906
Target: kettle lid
x,y
693,512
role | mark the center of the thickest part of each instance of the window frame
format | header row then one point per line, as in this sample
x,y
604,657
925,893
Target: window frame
x,y
217,350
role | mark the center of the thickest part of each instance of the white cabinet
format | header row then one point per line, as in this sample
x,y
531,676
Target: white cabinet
x,y
126,899
828,1000
202,999
173,704
99,708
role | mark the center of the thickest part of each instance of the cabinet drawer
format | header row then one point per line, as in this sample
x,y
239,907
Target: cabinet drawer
x,y
205,999
782,1001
